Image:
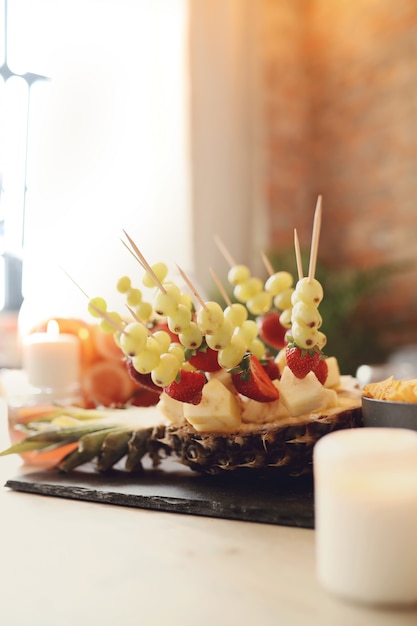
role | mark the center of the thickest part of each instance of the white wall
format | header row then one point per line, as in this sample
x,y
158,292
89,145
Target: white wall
x,y
225,137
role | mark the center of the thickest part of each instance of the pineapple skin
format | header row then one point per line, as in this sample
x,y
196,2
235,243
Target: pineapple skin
x,y
284,449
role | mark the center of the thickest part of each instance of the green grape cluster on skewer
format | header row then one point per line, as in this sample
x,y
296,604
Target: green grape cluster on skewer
x,y
227,331
163,353
261,297
306,319
280,286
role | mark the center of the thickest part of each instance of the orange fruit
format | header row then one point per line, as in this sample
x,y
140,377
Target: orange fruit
x,y
107,383
105,344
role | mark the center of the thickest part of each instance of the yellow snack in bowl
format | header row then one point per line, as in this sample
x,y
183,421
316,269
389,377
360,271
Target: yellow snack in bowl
x,y
392,390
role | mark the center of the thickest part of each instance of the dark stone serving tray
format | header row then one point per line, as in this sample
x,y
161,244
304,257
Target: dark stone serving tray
x,y
176,489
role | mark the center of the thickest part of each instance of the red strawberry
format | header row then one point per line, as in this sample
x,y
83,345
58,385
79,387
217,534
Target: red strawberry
x,y
143,380
321,371
272,369
162,325
253,382
301,361
205,359
144,397
271,330
188,388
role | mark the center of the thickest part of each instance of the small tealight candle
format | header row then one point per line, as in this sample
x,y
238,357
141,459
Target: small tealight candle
x,y
51,360
365,484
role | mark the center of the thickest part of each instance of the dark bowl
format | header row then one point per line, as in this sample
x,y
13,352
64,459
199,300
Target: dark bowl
x,y
389,414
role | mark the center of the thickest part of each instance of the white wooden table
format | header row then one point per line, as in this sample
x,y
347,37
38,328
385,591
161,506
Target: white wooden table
x,y
67,563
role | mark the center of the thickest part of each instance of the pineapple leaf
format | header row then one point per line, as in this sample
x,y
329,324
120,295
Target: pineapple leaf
x,y
25,446
75,412
137,448
115,447
88,448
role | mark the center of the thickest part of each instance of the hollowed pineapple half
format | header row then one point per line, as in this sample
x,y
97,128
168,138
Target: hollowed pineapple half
x,y
285,446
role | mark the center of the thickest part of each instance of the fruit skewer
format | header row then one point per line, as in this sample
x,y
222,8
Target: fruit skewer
x,y
305,341
234,419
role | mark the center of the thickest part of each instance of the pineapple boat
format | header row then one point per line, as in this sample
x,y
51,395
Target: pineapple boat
x,y
231,393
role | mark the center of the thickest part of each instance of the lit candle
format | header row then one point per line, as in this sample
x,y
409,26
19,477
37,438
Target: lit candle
x,y
51,360
365,483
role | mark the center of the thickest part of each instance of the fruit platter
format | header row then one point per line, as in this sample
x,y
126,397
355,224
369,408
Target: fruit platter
x,y
244,386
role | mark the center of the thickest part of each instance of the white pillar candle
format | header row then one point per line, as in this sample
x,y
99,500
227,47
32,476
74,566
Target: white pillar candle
x,y
51,360
365,483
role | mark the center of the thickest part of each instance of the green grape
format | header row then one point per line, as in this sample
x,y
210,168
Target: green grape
x,y
180,319
97,306
187,300
188,367
238,274
144,311
303,336
133,339
163,338
221,337
117,335
285,318
160,270
306,314
166,303
259,304
134,297
246,290
278,282
283,300
210,318
105,324
257,348
321,339
248,330
232,354
166,371
148,359
191,337
308,291
123,284
178,351
236,313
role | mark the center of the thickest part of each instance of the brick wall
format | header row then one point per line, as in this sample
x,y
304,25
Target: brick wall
x,y
339,92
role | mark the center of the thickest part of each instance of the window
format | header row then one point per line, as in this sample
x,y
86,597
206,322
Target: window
x,y
107,138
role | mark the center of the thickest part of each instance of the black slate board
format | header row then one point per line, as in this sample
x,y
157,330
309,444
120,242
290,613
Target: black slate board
x,y
176,489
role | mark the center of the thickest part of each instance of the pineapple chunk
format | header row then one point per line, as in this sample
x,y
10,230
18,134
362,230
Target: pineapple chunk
x,y
304,395
333,375
170,408
218,411
281,360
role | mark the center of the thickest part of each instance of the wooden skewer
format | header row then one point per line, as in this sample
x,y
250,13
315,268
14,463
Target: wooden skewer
x,y
267,264
96,309
225,252
221,288
298,255
107,318
73,281
191,286
137,319
139,257
315,240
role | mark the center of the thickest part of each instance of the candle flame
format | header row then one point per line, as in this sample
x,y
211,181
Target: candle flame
x,y
52,328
